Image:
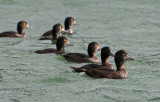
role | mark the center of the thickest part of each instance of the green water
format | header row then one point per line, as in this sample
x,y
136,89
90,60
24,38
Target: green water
x,y
132,25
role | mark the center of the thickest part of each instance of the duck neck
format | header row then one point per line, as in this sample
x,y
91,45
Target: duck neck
x,y
120,66
91,54
55,37
55,34
67,26
20,30
60,48
105,62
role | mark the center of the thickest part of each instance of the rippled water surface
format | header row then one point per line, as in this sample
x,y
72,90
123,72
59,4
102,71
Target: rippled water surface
x,y
133,25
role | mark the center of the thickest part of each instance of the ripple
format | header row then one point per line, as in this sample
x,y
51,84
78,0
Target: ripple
x,y
155,99
55,80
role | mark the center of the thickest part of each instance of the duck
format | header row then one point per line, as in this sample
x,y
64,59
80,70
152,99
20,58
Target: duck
x,y
69,21
21,25
105,53
81,57
120,73
54,33
60,44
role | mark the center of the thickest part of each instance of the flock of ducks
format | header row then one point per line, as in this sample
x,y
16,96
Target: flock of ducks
x,y
105,70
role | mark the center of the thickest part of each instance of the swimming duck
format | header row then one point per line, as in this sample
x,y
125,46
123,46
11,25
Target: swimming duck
x,y
69,21
54,33
81,57
20,28
120,57
105,53
60,44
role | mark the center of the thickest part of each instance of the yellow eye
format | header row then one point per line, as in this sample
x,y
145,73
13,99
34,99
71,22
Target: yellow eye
x,y
95,45
72,20
65,40
60,27
25,23
123,54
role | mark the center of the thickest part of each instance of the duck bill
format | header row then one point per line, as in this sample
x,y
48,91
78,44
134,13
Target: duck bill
x,y
111,54
99,49
62,30
75,23
69,44
130,58
28,26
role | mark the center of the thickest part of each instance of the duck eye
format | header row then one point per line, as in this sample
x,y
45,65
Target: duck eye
x,y
65,40
60,27
72,20
95,45
25,24
123,54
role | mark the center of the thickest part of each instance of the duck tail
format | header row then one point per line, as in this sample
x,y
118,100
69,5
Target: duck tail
x,y
74,68
77,69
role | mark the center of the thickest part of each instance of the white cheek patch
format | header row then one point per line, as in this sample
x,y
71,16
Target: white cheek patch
x,y
75,23
63,29
67,42
70,31
27,26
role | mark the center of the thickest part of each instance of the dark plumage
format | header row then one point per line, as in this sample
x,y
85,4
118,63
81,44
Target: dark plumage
x,y
54,33
120,57
20,28
69,21
47,35
80,57
60,44
105,53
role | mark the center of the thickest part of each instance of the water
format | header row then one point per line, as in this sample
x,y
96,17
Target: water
x,y
132,25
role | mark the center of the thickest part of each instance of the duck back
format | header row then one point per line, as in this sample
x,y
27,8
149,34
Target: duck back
x,y
76,57
86,67
46,35
107,73
46,51
8,34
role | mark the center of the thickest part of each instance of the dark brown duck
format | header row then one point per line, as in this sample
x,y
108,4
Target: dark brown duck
x,y
60,44
81,57
69,21
20,28
54,33
120,57
105,53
